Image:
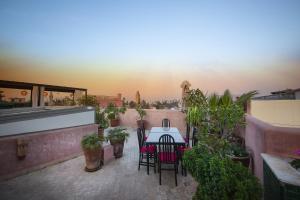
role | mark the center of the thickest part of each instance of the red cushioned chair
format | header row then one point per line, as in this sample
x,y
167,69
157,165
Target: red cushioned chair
x,y
167,154
143,150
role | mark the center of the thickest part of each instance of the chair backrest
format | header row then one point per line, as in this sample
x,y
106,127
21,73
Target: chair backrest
x,y
144,133
140,137
167,147
165,123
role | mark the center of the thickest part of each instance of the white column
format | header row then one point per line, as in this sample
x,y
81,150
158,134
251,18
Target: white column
x,y
42,102
34,96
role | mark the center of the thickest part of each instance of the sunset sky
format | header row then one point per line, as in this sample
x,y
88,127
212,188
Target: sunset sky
x,y
112,47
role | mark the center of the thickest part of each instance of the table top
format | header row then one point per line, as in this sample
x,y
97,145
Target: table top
x,y
156,132
164,130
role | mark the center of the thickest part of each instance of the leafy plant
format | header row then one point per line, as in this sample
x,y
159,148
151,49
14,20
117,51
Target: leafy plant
x,y
89,100
219,177
113,111
91,141
195,97
237,150
101,118
142,113
117,134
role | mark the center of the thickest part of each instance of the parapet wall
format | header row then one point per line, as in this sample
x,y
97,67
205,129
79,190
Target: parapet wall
x,y
261,137
284,113
154,118
44,148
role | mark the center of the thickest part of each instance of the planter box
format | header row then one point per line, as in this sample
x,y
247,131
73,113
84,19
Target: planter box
x,y
281,181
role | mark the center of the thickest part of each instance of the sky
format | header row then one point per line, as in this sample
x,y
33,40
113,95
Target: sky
x,y
112,47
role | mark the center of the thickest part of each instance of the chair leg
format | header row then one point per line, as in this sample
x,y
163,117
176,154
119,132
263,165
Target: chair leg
x,y
140,157
175,167
182,168
154,163
159,166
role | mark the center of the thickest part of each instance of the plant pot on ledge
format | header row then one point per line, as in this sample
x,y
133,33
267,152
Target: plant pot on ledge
x,y
245,160
239,154
114,122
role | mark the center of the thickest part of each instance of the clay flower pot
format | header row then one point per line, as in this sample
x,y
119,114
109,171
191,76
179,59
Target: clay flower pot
x,y
118,147
92,159
100,132
245,160
141,124
114,122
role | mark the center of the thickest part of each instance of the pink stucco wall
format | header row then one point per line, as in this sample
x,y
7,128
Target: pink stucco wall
x,y
261,137
44,148
154,118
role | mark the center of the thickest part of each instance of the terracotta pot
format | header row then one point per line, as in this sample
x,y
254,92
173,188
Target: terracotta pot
x,y
92,159
114,122
118,147
244,160
141,124
100,132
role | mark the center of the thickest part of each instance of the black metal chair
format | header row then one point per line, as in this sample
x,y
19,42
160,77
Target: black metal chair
x,y
165,123
143,150
187,136
167,154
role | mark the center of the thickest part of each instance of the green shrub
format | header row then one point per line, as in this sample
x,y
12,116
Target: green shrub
x,y
91,141
142,113
117,134
219,177
113,111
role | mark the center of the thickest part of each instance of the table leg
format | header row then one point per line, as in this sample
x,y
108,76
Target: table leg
x,y
147,147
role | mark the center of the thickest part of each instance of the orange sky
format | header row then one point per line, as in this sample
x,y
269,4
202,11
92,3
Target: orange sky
x,y
155,82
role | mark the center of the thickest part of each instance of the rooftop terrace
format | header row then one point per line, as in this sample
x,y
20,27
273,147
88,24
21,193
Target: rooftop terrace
x,y
120,179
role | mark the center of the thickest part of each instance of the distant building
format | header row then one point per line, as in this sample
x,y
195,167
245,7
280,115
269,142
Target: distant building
x,y
103,100
282,95
17,100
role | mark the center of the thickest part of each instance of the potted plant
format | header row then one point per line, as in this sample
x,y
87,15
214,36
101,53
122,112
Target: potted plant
x,y
238,153
218,176
117,137
142,113
101,120
92,147
113,114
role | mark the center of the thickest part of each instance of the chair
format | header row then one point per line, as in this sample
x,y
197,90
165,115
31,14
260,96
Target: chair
x,y
187,136
165,123
143,150
167,155
144,134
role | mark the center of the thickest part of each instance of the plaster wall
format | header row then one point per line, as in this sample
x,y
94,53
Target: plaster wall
x,y
284,113
154,118
44,148
262,137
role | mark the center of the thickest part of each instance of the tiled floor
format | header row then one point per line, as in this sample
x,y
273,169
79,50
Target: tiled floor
x,y
119,179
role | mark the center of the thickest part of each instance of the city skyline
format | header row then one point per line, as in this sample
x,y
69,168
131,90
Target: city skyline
x,y
125,46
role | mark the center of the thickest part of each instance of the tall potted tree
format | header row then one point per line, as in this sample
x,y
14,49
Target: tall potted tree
x,y
142,113
91,145
101,120
117,137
